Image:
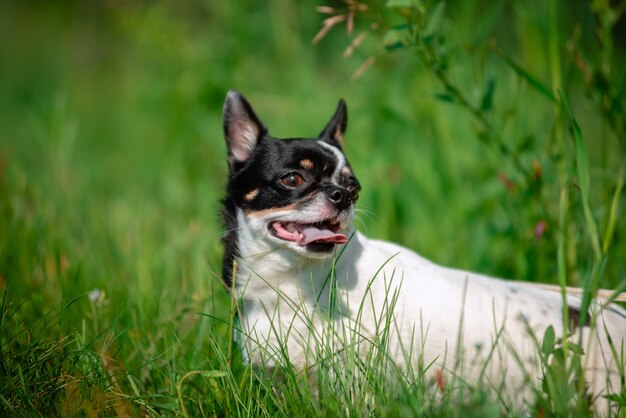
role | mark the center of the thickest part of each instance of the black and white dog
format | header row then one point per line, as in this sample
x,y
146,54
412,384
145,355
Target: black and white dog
x,y
296,264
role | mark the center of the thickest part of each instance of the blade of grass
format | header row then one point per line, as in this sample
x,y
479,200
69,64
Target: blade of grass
x,y
612,221
582,165
233,312
561,264
532,80
211,374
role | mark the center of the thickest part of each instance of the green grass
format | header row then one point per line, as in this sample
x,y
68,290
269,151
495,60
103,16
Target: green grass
x,y
489,137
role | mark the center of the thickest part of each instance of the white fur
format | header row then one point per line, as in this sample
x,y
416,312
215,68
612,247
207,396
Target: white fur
x,y
453,317
341,158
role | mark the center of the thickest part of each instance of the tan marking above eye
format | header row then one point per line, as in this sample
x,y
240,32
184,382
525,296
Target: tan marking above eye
x,y
346,171
251,194
306,164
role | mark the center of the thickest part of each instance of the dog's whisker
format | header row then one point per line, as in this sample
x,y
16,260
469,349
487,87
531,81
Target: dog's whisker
x,y
359,223
367,212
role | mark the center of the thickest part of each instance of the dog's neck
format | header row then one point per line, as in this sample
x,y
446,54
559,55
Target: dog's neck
x,y
263,267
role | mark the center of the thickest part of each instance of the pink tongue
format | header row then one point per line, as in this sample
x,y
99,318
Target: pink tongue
x,y
313,234
308,234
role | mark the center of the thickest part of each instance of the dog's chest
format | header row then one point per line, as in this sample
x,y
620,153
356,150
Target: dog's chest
x,y
372,280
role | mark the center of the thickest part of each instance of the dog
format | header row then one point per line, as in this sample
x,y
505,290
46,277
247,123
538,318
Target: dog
x,y
295,263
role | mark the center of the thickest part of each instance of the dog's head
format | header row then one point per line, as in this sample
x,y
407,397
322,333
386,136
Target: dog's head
x,y
296,193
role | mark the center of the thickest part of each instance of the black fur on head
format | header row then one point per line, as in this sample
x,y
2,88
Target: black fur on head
x,y
256,161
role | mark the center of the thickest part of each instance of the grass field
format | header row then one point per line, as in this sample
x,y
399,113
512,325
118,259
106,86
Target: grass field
x,y
489,136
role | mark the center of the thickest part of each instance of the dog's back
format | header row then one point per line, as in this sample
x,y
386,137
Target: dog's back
x,y
486,328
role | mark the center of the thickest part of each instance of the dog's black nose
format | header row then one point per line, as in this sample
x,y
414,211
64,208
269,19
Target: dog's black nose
x,y
338,195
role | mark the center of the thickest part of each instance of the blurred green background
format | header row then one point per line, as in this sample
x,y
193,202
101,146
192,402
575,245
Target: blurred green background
x,y
112,158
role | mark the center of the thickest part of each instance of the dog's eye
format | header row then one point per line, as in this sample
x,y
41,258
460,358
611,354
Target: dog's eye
x,y
292,180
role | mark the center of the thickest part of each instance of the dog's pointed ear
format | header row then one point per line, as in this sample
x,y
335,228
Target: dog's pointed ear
x,y
336,128
242,128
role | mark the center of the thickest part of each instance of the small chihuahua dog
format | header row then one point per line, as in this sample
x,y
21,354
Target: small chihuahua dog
x,y
296,264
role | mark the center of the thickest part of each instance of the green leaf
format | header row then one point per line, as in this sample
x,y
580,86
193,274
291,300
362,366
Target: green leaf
x,y
538,85
582,164
394,46
403,3
526,143
575,348
400,26
487,101
613,214
620,400
445,97
435,18
396,38
547,346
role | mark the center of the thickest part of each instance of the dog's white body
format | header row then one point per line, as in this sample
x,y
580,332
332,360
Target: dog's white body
x,y
451,317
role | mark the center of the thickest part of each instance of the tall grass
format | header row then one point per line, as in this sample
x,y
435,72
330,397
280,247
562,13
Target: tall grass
x,y
497,124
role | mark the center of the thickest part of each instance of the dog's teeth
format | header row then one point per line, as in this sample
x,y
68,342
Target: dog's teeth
x,y
290,227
